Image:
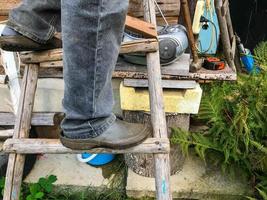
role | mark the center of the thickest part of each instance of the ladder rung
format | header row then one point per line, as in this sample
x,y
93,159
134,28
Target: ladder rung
x,y
54,146
6,133
142,45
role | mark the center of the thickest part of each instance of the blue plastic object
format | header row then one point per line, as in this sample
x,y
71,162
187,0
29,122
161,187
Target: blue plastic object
x,y
96,159
209,38
248,62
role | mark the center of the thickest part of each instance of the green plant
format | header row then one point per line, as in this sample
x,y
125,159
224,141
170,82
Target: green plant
x,y
2,185
260,55
237,121
40,189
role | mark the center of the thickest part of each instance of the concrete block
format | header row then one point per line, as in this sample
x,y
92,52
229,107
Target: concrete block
x,y
5,100
175,100
49,96
194,181
70,171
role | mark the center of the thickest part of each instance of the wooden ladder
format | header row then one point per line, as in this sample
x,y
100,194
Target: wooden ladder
x,y
20,144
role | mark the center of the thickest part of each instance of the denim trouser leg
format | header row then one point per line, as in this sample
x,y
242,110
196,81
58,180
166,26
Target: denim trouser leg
x,y
91,32
36,19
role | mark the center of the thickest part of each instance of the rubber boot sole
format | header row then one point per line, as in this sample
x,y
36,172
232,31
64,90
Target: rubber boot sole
x,y
91,143
21,43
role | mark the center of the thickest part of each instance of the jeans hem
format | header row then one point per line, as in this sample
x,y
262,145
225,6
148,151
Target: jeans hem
x,y
94,131
28,33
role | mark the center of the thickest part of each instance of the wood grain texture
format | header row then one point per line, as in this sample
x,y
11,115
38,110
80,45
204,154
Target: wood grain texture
x,y
12,157
6,133
171,84
25,127
136,25
7,5
54,146
158,120
225,35
168,7
142,45
22,128
123,69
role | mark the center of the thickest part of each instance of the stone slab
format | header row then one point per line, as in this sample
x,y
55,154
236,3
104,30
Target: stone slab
x,y
70,172
194,181
49,96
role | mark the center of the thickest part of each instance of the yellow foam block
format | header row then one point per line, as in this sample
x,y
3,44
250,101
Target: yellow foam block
x,y
175,100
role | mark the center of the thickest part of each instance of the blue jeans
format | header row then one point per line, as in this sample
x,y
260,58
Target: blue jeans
x,y
91,33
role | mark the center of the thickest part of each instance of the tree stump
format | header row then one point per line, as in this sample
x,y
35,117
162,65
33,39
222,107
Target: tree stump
x,y
143,164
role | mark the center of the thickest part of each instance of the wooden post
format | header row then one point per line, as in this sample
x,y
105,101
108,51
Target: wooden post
x,y
158,120
22,128
227,48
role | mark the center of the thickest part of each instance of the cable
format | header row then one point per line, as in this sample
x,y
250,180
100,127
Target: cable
x,y
205,20
161,13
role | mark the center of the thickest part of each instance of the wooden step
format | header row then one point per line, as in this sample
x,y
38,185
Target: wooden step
x,y
142,45
54,146
170,84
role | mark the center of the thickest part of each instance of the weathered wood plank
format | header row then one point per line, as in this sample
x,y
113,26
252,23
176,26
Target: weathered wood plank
x,y
6,133
143,45
158,119
225,35
54,146
12,157
38,119
42,56
127,70
173,84
7,5
25,127
136,25
22,128
168,7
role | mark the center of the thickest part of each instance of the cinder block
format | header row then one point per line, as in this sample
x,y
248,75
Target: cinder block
x,y
175,100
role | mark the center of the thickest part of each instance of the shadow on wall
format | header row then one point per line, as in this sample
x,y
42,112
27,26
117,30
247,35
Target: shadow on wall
x,y
249,19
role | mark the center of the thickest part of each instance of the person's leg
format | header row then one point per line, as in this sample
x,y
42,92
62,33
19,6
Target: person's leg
x,y
31,26
36,19
92,33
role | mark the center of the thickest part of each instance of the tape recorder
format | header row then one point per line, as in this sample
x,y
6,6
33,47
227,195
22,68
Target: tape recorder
x,y
173,42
